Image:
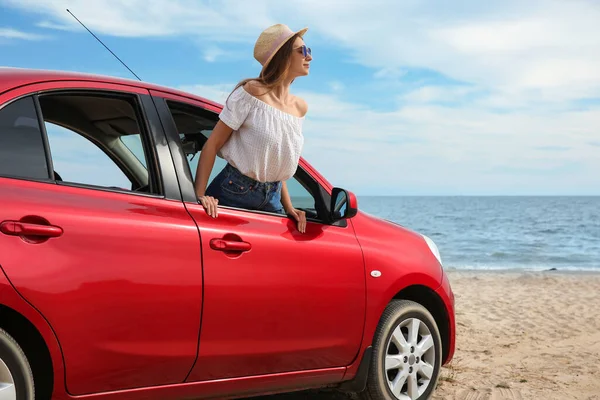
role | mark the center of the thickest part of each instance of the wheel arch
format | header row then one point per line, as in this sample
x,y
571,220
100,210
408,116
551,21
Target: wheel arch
x,y
429,299
17,313
34,346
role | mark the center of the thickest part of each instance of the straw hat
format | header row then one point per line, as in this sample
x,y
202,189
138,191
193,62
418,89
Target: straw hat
x,y
271,40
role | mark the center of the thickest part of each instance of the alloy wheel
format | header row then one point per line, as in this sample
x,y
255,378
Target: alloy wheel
x,y
409,359
7,383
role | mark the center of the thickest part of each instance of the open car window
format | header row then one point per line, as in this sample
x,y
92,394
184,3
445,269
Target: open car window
x,y
301,196
98,140
195,124
193,155
78,160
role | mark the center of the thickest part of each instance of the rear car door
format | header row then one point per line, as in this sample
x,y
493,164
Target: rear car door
x,y
287,301
95,237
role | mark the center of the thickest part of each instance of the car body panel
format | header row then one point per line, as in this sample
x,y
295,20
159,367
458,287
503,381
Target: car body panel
x,y
293,302
227,388
136,300
402,259
13,78
447,296
10,298
124,289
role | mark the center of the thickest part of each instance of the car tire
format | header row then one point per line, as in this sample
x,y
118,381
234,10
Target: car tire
x,y
403,362
16,378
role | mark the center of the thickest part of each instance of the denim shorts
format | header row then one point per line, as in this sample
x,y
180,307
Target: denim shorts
x,y
234,189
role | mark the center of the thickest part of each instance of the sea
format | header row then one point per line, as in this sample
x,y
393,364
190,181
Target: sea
x,y
501,233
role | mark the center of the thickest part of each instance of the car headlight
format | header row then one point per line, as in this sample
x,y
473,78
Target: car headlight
x,y
434,249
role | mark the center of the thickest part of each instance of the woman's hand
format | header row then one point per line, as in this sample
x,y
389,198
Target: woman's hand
x,y
210,205
300,217
286,202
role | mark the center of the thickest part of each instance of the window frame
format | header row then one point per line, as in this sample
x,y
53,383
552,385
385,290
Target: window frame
x,y
135,100
156,190
45,141
302,175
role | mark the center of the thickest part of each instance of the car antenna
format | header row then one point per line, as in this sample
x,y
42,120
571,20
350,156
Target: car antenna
x,y
103,44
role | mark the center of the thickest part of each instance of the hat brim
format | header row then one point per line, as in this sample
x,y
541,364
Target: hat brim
x,y
301,32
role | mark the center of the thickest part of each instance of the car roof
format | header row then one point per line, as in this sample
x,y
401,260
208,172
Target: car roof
x,y
11,77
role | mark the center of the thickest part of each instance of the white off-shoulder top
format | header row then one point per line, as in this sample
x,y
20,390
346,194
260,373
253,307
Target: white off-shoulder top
x,y
266,142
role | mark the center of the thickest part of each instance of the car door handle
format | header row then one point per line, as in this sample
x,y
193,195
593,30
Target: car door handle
x,y
229,245
17,228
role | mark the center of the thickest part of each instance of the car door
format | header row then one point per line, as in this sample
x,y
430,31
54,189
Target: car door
x,y
275,300
95,237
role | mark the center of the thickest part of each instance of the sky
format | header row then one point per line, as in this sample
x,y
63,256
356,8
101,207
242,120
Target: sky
x,y
405,97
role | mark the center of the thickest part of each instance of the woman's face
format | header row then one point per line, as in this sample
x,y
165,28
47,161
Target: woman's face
x,y
300,60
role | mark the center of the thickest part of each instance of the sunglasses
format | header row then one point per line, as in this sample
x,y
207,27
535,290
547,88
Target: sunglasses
x,y
306,51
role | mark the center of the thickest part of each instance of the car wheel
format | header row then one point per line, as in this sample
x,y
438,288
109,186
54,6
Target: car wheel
x,y
16,378
407,352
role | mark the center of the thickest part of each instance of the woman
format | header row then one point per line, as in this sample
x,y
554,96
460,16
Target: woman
x,y
259,132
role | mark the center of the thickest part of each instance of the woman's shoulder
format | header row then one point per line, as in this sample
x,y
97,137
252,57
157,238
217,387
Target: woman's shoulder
x,y
255,88
301,105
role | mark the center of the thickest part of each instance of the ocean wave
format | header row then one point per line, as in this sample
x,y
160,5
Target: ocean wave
x,y
551,231
436,234
500,255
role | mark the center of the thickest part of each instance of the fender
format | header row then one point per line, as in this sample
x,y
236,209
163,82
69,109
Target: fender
x,y
10,298
378,301
447,296
377,306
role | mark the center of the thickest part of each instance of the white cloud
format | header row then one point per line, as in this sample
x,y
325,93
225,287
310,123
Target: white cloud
x,y
9,33
228,21
216,93
550,45
336,86
52,25
212,53
389,73
431,149
429,94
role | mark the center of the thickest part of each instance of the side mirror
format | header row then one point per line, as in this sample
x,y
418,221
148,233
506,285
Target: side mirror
x,y
343,204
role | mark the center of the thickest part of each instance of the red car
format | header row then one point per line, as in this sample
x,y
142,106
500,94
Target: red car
x,y
116,284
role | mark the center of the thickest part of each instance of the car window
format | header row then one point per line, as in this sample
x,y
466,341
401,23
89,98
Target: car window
x,y
76,159
195,156
96,141
22,152
195,124
135,145
300,196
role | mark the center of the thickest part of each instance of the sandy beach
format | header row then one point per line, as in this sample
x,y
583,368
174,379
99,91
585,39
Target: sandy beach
x,y
521,335
525,336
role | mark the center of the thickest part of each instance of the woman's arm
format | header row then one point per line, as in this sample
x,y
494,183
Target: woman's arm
x,y
216,140
286,202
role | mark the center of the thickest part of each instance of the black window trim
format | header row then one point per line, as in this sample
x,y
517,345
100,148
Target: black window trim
x,y
42,126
